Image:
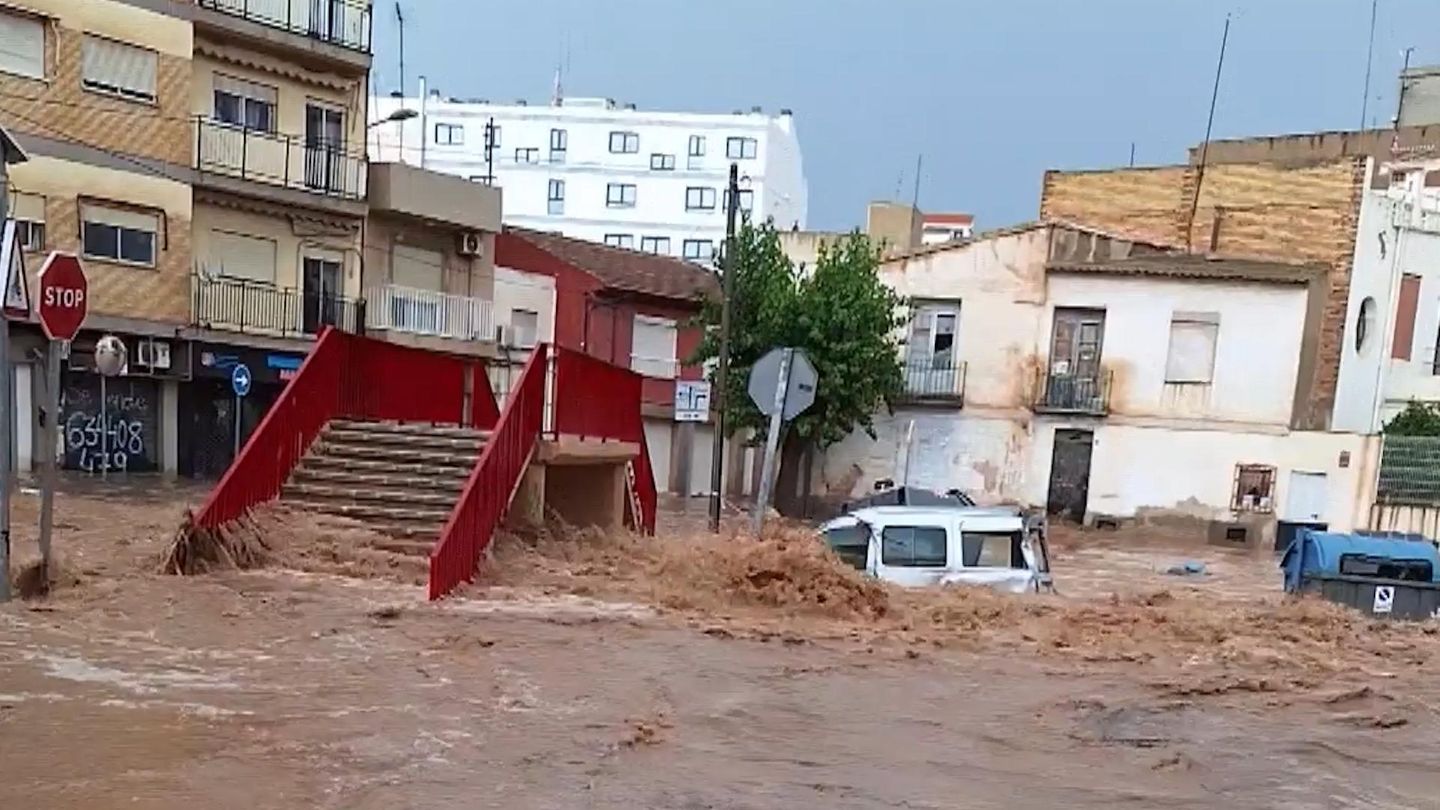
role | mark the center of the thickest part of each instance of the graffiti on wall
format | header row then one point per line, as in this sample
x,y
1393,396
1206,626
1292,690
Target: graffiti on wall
x,y
120,437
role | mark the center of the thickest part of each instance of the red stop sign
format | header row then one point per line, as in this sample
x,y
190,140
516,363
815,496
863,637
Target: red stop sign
x,y
64,295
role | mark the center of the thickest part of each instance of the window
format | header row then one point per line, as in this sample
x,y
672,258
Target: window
x,y
699,250
245,104
1254,488
659,245
449,134
746,199
22,45
559,144
1193,336
913,547
620,195
119,69
1405,312
699,198
624,143
238,255
653,343
118,234
696,152
492,137
556,196
851,543
991,550
527,155
740,148
620,240
932,336
28,211
662,163
524,327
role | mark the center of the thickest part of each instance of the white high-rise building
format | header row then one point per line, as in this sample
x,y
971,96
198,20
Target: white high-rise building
x,y
593,169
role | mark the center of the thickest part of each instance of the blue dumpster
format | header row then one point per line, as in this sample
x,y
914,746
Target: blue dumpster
x,y
1391,577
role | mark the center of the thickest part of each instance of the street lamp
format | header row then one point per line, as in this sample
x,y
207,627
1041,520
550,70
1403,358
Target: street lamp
x,y
402,114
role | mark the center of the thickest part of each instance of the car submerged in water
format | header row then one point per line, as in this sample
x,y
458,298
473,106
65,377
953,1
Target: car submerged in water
x,y
917,546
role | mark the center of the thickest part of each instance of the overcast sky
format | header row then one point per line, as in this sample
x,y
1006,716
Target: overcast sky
x,y
992,93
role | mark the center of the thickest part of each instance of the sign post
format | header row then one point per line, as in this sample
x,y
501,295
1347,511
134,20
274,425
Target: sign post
x,y
63,293
782,386
240,383
110,356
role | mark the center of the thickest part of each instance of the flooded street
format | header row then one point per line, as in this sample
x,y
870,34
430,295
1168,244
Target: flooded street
x,y
544,687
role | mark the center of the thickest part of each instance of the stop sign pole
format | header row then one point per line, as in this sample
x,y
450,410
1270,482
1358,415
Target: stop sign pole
x,y
64,294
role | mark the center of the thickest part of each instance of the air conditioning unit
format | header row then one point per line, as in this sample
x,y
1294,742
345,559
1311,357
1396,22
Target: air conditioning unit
x,y
153,353
470,244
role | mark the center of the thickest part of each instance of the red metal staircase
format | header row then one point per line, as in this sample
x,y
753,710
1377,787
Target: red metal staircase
x,y
348,377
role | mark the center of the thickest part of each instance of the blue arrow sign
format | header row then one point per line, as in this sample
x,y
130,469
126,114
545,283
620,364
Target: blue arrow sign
x,y
240,379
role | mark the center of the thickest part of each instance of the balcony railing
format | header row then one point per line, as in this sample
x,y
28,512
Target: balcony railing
x,y
425,312
279,160
252,307
940,380
341,22
1073,393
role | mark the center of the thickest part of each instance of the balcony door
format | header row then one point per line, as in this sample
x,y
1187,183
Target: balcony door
x,y
322,305
326,17
1076,341
930,367
324,148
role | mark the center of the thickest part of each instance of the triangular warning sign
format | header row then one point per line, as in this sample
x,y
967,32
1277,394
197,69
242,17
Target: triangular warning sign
x,y
12,261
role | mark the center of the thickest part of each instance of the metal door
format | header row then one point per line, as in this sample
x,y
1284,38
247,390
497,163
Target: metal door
x,y
1070,474
324,145
321,294
1305,502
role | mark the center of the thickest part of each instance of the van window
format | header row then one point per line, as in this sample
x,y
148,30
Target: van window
x,y
913,547
991,550
850,543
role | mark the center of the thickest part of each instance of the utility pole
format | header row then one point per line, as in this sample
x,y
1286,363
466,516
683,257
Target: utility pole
x,y
722,376
1205,148
1369,61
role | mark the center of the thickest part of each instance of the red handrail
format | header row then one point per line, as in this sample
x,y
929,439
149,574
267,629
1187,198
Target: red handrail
x,y
347,375
492,483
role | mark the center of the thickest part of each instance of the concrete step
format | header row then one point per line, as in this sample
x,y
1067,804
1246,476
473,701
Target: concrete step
x,y
414,546
316,462
428,441
395,454
377,516
420,478
409,428
385,496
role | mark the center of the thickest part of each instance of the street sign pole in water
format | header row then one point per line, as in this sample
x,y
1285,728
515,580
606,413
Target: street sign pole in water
x,y
782,386
63,304
240,383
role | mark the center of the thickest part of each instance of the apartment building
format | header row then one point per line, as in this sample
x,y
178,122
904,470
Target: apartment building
x,y
605,172
98,93
937,228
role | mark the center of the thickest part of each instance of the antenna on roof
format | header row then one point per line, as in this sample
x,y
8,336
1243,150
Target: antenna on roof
x,y
1205,148
915,198
400,20
1369,61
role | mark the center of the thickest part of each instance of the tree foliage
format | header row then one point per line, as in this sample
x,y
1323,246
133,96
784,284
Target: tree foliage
x,y
1418,419
841,314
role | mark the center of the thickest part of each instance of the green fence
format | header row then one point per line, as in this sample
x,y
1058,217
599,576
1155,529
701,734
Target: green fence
x,y
1410,470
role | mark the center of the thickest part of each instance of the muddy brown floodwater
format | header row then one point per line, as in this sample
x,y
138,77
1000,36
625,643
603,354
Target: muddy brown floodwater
x,y
610,672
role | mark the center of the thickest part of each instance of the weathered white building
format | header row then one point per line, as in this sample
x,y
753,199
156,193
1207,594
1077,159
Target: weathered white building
x,y
605,172
1107,380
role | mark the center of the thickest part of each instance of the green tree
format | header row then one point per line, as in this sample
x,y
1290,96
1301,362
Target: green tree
x,y
841,314
1418,419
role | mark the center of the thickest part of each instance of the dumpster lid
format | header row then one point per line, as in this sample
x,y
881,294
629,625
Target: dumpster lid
x,y
1313,552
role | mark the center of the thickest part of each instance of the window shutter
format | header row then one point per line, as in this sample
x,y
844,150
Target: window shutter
x,y
1192,348
22,46
244,89
653,344
417,268
240,256
120,218
119,66
29,207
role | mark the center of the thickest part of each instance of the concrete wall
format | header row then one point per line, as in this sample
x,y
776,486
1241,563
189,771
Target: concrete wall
x,y
1377,144
470,276
1257,345
515,289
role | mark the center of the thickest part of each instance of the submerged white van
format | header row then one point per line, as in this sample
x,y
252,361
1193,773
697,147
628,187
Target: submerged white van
x,y
918,546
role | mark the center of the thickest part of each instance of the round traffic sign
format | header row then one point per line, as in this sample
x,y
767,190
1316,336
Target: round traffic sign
x,y
64,295
240,379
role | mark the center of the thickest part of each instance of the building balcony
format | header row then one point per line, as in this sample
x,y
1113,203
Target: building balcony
x,y
254,308
934,381
1079,394
342,25
428,313
226,154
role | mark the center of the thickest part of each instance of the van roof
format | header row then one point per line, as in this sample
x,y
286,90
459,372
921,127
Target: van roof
x,y
878,512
